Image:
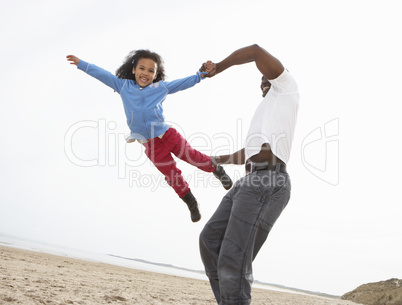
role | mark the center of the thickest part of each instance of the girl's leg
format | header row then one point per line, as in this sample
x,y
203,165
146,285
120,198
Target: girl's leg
x,y
160,156
179,146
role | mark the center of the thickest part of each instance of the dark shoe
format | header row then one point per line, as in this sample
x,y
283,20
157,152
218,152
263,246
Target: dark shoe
x,y
223,177
192,205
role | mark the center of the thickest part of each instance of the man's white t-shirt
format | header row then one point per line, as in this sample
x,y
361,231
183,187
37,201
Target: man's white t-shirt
x,y
274,120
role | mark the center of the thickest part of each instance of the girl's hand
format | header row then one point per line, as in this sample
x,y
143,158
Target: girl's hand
x,y
74,60
209,67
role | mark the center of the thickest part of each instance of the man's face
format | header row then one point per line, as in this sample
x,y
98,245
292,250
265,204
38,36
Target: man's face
x,y
265,86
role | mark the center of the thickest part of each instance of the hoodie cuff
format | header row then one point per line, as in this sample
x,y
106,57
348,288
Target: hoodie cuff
x,y
83,65
202,74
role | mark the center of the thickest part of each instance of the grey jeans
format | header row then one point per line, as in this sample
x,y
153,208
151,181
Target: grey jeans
x,y
235,233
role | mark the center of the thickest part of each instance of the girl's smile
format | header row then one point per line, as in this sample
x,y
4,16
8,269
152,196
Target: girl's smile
x,y
145,72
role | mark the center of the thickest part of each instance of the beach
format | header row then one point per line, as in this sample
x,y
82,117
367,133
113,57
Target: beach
x,y
29,277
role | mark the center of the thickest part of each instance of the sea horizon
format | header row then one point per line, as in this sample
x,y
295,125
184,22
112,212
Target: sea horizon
x,y
133,263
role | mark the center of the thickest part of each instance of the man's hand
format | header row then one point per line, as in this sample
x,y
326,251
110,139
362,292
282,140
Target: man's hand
x,y
237,158
209,67
74,60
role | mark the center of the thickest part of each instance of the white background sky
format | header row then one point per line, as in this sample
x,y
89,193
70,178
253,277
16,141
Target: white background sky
x,y
342,225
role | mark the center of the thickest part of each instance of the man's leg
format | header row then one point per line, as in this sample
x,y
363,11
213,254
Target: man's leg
x,y
256,206
211,238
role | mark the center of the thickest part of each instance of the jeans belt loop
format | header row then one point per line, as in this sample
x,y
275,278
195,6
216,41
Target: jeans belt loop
x,y
277,168
252,167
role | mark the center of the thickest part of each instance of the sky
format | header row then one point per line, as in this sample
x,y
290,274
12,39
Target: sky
x,y
68,178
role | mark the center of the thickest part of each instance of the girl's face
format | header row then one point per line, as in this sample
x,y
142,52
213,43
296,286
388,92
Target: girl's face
x,y
145,71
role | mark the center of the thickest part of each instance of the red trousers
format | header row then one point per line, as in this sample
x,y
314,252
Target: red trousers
x,y
159,151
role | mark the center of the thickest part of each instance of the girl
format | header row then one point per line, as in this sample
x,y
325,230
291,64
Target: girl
x,y
140,81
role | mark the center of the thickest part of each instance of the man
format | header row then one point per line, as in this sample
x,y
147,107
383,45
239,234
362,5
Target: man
x,y
235,233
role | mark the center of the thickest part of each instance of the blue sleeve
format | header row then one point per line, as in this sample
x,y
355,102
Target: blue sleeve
x,y
183,83
102,75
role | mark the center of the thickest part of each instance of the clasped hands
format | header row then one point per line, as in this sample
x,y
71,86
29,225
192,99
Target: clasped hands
x,y
209,67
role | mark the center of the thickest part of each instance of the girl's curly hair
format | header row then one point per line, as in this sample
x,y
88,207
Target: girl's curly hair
x,y
131,61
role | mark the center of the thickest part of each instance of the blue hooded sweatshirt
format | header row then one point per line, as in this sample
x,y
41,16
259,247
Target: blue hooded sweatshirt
x,y
143,106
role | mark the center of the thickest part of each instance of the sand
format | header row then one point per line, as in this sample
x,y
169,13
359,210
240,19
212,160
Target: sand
x,y
39,278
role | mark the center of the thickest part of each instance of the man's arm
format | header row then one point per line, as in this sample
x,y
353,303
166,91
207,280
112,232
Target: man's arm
x,y
235,158
268,65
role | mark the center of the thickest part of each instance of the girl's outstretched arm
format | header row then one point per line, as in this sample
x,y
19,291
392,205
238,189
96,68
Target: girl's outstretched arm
x,y
184,83
74,60
102,75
